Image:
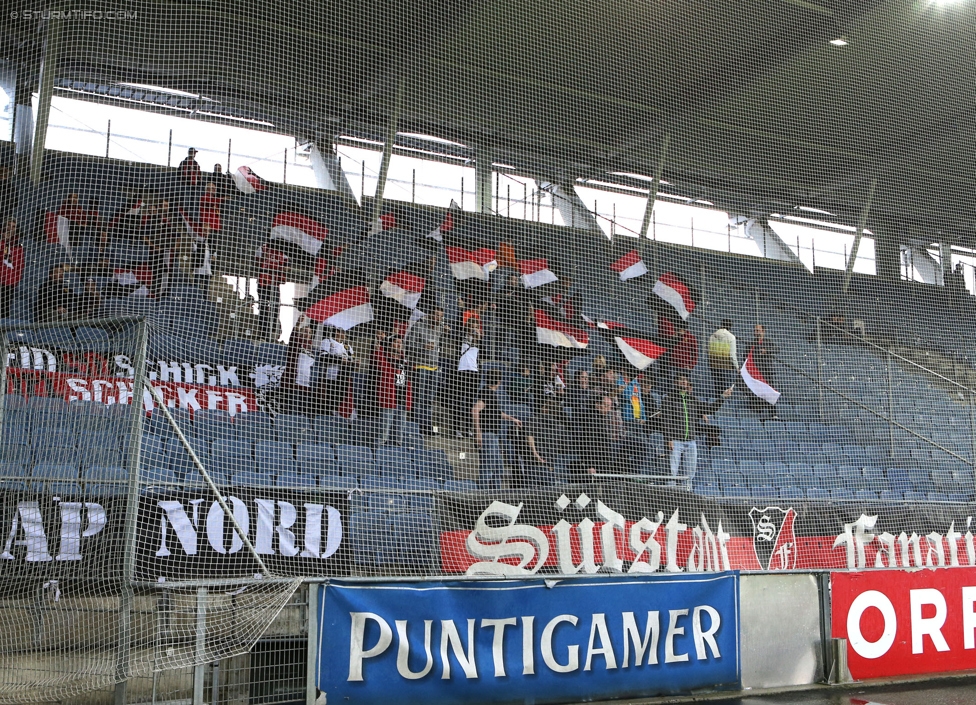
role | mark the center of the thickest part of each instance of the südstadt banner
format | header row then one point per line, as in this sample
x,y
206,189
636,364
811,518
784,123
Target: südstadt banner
x,y
636,528
900,623
528,640
180,534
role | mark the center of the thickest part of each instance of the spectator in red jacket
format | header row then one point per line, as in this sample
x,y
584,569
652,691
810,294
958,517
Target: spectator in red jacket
x,y
210,207
11,265
393,389
686,352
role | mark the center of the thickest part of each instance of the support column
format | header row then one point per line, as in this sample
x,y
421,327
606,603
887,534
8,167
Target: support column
x,y
887,255
391,132
328,170
652,193
861,224
483,182
23,121
46,90
945,259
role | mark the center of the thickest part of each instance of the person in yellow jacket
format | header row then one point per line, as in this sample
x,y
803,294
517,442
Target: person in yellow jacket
x,y
722,360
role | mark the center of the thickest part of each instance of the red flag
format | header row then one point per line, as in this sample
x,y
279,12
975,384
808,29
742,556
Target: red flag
x,y
630,266
549,331
344,309
670,288
404,287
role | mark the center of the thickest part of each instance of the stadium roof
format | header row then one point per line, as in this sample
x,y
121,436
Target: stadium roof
x,y
762,110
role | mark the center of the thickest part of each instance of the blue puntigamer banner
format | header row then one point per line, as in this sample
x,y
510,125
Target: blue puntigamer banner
x,y
531,641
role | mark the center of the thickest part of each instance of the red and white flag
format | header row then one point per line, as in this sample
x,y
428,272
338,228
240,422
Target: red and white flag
x,y
345,309
549,331
447,225
639,352
247,181
471,265
535,272
757,385
675,292
630,266
57,230
385,222
299,230
404,287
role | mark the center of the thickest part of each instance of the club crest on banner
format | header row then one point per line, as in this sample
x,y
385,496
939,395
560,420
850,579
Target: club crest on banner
x,y
773,538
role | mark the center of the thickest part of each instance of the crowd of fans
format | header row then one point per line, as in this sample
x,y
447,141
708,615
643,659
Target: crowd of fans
x,y
600,419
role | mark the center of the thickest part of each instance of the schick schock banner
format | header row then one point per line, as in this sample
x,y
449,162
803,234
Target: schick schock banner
x,y
528,640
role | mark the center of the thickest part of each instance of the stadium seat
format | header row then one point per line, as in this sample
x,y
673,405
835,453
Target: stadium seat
x,y
433,463
252,478
330,429
316,458
273,457
355,460
335,481
296,480
391,460
292,428
240,353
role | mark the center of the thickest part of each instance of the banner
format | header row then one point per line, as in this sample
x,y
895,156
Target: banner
x,y
55,536
528,640
185,534
181,534
630,527
900,623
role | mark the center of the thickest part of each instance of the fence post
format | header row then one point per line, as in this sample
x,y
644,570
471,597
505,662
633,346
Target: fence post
x,y
820,382
284,171
728,232
891,412
228,154
462,193
413,187
311,687
169,150
972,432
199,671
131,515
108,137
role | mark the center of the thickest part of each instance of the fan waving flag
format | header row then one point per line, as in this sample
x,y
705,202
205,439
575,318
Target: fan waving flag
x,y
247,181
345,309
57,230
630,266
299,230
756,383
549,331
447,225
404,287
639,352
675,292
471,265
535,272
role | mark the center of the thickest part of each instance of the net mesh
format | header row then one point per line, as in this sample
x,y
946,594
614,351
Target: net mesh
x,y
471,290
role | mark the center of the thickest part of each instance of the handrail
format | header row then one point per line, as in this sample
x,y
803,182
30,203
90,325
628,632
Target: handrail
x,y
894,354
967,461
